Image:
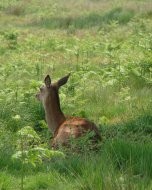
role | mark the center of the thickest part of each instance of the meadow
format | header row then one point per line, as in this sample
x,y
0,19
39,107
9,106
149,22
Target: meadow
x,y
107,48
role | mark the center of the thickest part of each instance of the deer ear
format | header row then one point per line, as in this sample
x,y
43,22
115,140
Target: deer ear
x,y
47,81
63,80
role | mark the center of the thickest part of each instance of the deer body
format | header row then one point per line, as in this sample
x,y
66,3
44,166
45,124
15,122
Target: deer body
x,y
62,128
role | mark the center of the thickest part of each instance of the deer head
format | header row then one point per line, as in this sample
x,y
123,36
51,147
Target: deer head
x,y
50,90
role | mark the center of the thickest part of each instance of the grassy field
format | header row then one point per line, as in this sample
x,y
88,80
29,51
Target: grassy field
x,y
107,48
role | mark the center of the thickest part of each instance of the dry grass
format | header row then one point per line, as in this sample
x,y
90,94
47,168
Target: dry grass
x,y
36,12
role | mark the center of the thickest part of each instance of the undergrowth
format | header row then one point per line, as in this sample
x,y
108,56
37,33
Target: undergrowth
x,y
106,46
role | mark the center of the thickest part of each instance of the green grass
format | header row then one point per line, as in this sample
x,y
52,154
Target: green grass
x,y
119,164
106,45
87,21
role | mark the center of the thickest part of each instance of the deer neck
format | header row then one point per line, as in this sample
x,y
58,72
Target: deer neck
x,y
53,113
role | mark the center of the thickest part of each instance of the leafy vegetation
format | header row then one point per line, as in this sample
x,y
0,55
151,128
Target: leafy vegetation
x,y
107,48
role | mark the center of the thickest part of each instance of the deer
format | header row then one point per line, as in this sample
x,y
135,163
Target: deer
x,y
62,127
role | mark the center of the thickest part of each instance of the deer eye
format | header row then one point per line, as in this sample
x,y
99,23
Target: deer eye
x,y
41,89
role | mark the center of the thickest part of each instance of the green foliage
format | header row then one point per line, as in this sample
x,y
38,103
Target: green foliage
x,y
132,156
10,38
30,150
106,46
5,181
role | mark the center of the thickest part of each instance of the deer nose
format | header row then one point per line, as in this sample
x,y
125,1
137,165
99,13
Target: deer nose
x,y
37,96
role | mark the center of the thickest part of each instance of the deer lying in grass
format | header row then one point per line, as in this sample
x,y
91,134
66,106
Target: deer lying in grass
x,y
62,128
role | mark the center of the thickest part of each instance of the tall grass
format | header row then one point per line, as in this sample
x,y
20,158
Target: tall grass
x,y
91,20
106,45
118,165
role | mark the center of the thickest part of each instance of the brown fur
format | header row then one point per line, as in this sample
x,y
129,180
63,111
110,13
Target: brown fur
x,y
74,127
